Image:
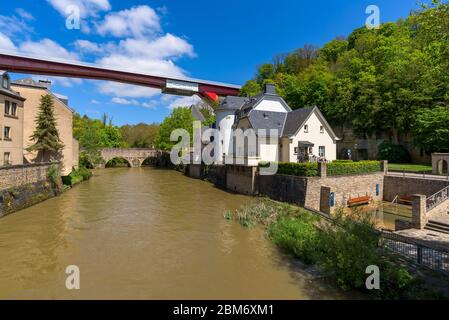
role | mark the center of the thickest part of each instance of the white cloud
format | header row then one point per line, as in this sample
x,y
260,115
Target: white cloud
x,y
183,102
127,90
88,46
14,26
134,102
47,48
24,14
93,101
88,8
6,44
125,101
137,22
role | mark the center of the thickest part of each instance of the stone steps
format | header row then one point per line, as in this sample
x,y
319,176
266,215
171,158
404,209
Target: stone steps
x,y
437,226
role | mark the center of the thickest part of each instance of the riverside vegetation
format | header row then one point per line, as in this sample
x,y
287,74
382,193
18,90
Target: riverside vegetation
x,y
342,248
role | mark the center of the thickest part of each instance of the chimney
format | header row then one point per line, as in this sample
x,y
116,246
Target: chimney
x,y
45,83
270,88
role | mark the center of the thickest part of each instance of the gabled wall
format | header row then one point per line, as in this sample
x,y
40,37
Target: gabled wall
x,y
315,136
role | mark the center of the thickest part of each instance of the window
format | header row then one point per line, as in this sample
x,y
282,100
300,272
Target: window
x,y
6,158
322,151
310,150
7,106
7,133
321,129
306,128
14,109
5,82
296,150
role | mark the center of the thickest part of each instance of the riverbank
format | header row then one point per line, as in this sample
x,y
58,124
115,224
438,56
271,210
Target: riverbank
x,y
340,248
23,186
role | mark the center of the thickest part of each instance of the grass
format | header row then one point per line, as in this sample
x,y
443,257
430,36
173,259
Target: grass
x,y
411,167
342,248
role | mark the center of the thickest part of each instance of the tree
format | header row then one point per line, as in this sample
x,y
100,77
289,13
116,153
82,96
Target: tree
x,y
180,118
431,129
141,135
250,89
46,135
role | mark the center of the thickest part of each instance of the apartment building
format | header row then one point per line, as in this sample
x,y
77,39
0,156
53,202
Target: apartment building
x,y
11,123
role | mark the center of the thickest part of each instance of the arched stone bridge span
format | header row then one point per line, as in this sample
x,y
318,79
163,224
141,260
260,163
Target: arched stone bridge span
x,y
135,157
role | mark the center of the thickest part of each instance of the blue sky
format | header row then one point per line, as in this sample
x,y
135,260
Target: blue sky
x,y
213,40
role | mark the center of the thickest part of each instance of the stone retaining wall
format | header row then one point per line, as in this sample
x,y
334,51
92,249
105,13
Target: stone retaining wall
x,y
410,186
22,186
343,188
19,175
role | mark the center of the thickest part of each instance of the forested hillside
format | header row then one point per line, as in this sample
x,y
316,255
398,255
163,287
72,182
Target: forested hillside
x,y
392,80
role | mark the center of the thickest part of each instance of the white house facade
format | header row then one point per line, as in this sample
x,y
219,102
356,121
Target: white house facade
x,y
280,134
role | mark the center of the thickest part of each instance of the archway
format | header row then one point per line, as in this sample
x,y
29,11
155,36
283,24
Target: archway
x,y
443,167
118,162
149,162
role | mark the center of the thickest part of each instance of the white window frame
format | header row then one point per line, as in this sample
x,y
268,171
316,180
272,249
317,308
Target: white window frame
x,y
322,151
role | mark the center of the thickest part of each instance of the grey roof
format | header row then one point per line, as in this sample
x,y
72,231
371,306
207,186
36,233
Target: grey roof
x,y
11,93
267,120
295,120
306,143
232,103
29,82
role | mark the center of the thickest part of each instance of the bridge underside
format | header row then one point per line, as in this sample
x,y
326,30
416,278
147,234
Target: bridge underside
x,y
210,91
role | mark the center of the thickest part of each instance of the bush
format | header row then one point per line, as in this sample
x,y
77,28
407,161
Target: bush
x,y
394,153
337,168
77,176
305,169
298,236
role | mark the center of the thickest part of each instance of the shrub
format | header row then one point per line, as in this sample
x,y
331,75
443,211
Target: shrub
x,y
77,176
337,168
305,169
298,236
394,153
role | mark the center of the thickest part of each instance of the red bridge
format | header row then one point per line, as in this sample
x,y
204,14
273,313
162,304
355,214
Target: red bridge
x,y
208,90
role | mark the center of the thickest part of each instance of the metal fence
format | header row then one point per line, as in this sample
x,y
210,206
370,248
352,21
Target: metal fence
x,y
436,259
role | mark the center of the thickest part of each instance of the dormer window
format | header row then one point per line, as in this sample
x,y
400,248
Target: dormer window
x,y
306,128
5,82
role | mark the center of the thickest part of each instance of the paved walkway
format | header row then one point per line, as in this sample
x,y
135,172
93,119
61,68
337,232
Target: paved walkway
x,y
427,237
417,175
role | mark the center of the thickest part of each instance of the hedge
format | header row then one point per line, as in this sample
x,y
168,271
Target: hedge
x,y
336,168
77,176
345,168
306,169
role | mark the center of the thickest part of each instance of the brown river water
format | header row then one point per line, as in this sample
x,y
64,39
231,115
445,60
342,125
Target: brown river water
x,y
145,234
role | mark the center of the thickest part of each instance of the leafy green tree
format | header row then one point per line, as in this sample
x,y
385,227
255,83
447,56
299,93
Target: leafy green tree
x,y
140,136
251,88
431,129
46,135
180,118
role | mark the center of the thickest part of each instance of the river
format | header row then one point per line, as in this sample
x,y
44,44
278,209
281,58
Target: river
x,y
145,233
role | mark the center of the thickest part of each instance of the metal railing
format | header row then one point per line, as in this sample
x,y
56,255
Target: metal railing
x,y
419,254
437,198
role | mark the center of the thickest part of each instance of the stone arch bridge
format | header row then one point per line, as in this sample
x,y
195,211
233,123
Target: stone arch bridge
x,y
134,156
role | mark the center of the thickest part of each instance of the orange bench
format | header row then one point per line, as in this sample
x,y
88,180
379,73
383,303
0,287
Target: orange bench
x,y
405,200
359,201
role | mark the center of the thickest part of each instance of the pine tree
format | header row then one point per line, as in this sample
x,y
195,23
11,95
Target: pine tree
x,y
46,136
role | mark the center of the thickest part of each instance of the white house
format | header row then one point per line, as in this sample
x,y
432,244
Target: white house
x,y
296,136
